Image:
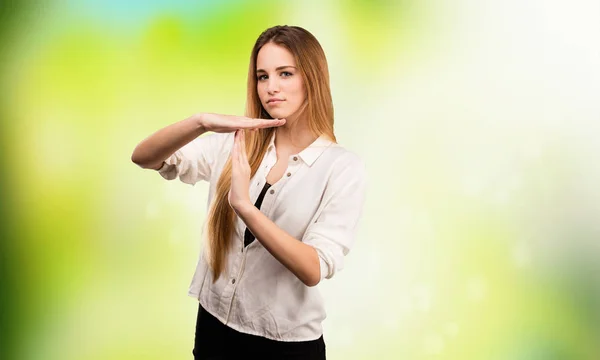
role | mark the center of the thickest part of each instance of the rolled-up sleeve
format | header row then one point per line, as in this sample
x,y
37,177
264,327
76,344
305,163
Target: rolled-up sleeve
x,y
332,233
195,160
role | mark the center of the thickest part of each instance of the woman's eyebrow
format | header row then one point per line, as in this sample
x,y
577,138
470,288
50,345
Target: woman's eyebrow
x,y
277,68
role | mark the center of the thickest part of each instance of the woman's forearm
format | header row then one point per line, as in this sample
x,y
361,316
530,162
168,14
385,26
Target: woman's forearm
x,y
301,259
153,150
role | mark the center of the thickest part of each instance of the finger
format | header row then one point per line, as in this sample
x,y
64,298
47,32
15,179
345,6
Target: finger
x,y
240,148
234,150
260,123
243,147
267,123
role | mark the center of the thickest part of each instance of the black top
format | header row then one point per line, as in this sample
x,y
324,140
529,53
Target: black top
x,y
248,236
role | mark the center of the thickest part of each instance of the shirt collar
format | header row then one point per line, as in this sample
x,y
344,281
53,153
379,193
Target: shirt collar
x,y
310,154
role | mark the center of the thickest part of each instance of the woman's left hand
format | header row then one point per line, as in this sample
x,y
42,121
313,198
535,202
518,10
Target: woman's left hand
x,y
239,193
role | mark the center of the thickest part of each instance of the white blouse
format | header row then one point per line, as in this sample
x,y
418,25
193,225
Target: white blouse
x,y
318,201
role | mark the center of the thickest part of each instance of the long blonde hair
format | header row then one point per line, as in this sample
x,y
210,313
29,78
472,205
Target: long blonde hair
x,y
318,111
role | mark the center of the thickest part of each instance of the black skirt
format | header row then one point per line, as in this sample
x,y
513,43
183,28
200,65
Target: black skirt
x,y
214,340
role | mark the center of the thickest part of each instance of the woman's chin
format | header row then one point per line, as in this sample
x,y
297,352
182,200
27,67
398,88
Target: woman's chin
x,y
278,114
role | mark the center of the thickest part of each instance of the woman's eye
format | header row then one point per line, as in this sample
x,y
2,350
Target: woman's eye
x,y
284,73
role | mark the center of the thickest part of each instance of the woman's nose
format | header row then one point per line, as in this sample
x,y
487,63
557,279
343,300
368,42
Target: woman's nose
x,y
272,86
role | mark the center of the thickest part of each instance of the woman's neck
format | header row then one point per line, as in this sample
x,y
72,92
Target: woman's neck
x,y
293,137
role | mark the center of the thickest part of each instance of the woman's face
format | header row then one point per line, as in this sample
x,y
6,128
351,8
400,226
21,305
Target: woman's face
x,y
279,83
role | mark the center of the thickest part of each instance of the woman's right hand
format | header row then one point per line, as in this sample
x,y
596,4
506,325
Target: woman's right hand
x,y
230,123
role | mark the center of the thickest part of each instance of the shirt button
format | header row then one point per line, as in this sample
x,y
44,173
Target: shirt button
x,y
272,191
289,174
233,281
295,158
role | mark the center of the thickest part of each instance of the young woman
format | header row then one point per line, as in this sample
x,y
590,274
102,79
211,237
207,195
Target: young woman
x,y
284,203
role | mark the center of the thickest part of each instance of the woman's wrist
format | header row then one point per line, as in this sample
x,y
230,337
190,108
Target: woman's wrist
x,y
243,209
199,120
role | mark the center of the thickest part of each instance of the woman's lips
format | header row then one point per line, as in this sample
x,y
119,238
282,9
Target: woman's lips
x,y
274,102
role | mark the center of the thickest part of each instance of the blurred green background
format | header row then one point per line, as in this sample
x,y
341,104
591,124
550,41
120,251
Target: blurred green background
x,y
478,121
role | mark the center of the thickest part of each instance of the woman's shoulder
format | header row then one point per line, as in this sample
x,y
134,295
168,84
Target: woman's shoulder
x,y
344,161
343,156
345,169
